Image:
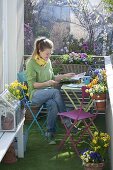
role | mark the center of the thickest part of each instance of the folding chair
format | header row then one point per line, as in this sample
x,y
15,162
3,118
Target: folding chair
x,y
78,117
28,105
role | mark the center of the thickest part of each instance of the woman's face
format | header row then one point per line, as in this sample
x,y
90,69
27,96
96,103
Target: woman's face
x,y
46,54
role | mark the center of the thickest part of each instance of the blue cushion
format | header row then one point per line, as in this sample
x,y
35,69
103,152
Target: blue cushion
x,y
21,76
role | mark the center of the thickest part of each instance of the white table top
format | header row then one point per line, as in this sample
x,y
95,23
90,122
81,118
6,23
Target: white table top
x,y
72,86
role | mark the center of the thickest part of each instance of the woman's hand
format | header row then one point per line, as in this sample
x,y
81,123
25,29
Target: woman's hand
x,y
58,78
69,75
52,83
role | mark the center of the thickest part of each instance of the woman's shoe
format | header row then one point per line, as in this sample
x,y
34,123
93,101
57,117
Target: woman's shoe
x,y
50,138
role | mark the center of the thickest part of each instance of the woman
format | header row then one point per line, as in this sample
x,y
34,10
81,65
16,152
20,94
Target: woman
x,y
41,82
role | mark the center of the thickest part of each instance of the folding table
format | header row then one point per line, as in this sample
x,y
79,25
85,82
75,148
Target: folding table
x,y
74,88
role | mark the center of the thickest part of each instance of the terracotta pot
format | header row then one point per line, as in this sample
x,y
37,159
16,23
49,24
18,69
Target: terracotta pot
x,y
10,156
94,166
8,122
100,101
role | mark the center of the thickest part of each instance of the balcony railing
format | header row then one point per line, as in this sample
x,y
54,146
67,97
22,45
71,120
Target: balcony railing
x,y
109,105
76,68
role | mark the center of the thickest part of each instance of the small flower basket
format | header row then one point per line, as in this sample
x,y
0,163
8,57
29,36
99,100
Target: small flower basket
x,y
94,157
76,58
72,62
94,166
76,62
76,68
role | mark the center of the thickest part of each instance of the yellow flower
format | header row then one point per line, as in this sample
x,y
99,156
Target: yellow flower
x,y
82,157
86,90
95,148
102,134
98,147
91,94
94,141
106,145
27,94
90,90
16,87
25,87
17,91
95,133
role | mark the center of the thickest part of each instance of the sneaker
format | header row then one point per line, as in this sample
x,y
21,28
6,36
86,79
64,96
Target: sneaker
x,y
50,138
52,142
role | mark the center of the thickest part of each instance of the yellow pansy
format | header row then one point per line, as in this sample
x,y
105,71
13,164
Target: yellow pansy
x,y
95,133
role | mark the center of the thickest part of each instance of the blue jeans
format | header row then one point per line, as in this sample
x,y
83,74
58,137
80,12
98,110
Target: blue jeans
x,y
54,103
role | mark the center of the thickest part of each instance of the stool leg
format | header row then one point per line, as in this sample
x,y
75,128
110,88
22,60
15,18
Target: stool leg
x,y
67,136
35,120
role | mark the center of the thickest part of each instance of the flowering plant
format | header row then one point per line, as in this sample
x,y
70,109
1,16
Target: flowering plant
x,y
98,147
97,89
99,72
99,84
16,89
90,156
76,58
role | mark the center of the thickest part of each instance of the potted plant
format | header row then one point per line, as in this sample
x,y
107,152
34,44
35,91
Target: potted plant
x,y
73,62
76,58
19,90
94,157
16,89
76,62
97,89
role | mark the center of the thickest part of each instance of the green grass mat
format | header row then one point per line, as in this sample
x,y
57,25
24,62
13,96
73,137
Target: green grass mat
x,y
42,156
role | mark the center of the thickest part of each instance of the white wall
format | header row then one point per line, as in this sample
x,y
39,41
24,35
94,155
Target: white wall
x,y
12,39
12,46
1,47
109,106
20,33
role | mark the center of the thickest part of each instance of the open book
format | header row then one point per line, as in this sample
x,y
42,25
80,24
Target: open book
x,y
75,85
78,76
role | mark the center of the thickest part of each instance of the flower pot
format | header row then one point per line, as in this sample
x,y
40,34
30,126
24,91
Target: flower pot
x,y
94,166
7,122
100,101
10,156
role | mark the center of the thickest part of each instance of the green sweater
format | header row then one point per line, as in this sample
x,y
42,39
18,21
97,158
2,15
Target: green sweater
x,y
37,73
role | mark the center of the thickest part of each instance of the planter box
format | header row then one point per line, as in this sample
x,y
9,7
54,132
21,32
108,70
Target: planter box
x,y
76,68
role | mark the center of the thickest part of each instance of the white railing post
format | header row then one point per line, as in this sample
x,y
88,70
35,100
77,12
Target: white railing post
x,y
109,108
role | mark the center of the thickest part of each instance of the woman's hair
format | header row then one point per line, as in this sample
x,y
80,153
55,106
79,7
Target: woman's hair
x,y
41,44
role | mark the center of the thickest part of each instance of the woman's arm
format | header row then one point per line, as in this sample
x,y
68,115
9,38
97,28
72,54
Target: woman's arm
x,y
62,76
45,84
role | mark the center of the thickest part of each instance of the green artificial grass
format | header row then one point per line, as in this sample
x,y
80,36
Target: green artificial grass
x,y
40,155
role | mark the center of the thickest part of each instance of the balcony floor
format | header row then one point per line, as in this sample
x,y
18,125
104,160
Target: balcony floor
x,y
42,156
